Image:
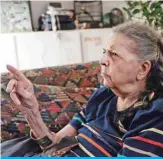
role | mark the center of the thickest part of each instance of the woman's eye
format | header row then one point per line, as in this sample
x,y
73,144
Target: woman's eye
x,y
112,53
109,52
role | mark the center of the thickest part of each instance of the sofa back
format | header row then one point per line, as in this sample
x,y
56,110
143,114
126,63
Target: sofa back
x,y
61,92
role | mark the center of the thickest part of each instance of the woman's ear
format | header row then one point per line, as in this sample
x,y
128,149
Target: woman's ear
x,y
144,70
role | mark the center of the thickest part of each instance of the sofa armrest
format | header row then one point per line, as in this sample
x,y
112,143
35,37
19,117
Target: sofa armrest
x,y
76,75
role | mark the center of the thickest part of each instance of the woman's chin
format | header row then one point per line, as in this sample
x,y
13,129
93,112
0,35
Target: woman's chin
x,y
108,83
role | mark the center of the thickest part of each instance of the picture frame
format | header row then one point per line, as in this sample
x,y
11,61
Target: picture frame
x,y
16,16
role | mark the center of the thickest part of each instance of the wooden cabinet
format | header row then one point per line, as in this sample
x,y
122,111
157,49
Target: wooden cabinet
x,y
43,49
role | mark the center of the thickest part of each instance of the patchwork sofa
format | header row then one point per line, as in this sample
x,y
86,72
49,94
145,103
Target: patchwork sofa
x,y
61,92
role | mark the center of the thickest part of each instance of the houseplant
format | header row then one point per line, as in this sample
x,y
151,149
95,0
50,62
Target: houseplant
x,y
149,11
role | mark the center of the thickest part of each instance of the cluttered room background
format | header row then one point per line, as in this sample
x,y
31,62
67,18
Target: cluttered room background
x,y
38,34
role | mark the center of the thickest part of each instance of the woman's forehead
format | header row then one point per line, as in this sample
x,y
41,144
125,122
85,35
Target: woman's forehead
x,y
121,40
122,45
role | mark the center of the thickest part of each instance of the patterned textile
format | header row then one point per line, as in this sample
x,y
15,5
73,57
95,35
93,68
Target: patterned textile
x,y
57,104
77,75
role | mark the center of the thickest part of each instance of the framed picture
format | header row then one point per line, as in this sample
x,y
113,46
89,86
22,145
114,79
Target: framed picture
x,y
15,16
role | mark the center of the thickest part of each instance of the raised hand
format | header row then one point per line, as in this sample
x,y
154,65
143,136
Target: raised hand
x,y
21,91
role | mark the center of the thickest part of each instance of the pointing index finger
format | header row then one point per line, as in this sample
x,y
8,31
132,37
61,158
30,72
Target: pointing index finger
x,y
19,76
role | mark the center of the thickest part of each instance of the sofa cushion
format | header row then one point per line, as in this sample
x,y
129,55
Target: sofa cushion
x,y
57,107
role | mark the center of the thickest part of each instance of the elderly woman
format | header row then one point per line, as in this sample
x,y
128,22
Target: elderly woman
x,y
123,118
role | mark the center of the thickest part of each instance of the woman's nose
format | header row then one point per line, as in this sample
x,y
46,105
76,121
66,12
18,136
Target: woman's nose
x,y
104,62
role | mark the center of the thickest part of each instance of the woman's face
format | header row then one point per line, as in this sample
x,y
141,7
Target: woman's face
x,y
119,66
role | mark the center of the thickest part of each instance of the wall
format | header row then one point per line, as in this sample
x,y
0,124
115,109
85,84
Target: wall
x,y
43,49
39,7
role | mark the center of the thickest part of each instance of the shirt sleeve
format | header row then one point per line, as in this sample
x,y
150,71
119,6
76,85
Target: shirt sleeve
x,y
148,142
78,119
89,113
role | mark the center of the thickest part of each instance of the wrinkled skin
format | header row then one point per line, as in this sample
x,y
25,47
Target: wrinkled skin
x,y
120,67
21,91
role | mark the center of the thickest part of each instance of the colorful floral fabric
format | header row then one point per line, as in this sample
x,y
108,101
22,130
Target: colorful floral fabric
x,y
61,92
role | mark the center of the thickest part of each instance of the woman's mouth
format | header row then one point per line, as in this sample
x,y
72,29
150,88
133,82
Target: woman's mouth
x,y
107,81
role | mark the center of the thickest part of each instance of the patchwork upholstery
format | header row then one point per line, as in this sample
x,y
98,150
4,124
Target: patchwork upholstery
x,y
61,92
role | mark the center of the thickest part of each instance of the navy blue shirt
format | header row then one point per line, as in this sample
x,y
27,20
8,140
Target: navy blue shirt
x,y
99,135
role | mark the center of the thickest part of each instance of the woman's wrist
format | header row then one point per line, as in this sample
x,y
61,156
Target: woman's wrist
x,y
38,127
45,142
40,131
34,120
